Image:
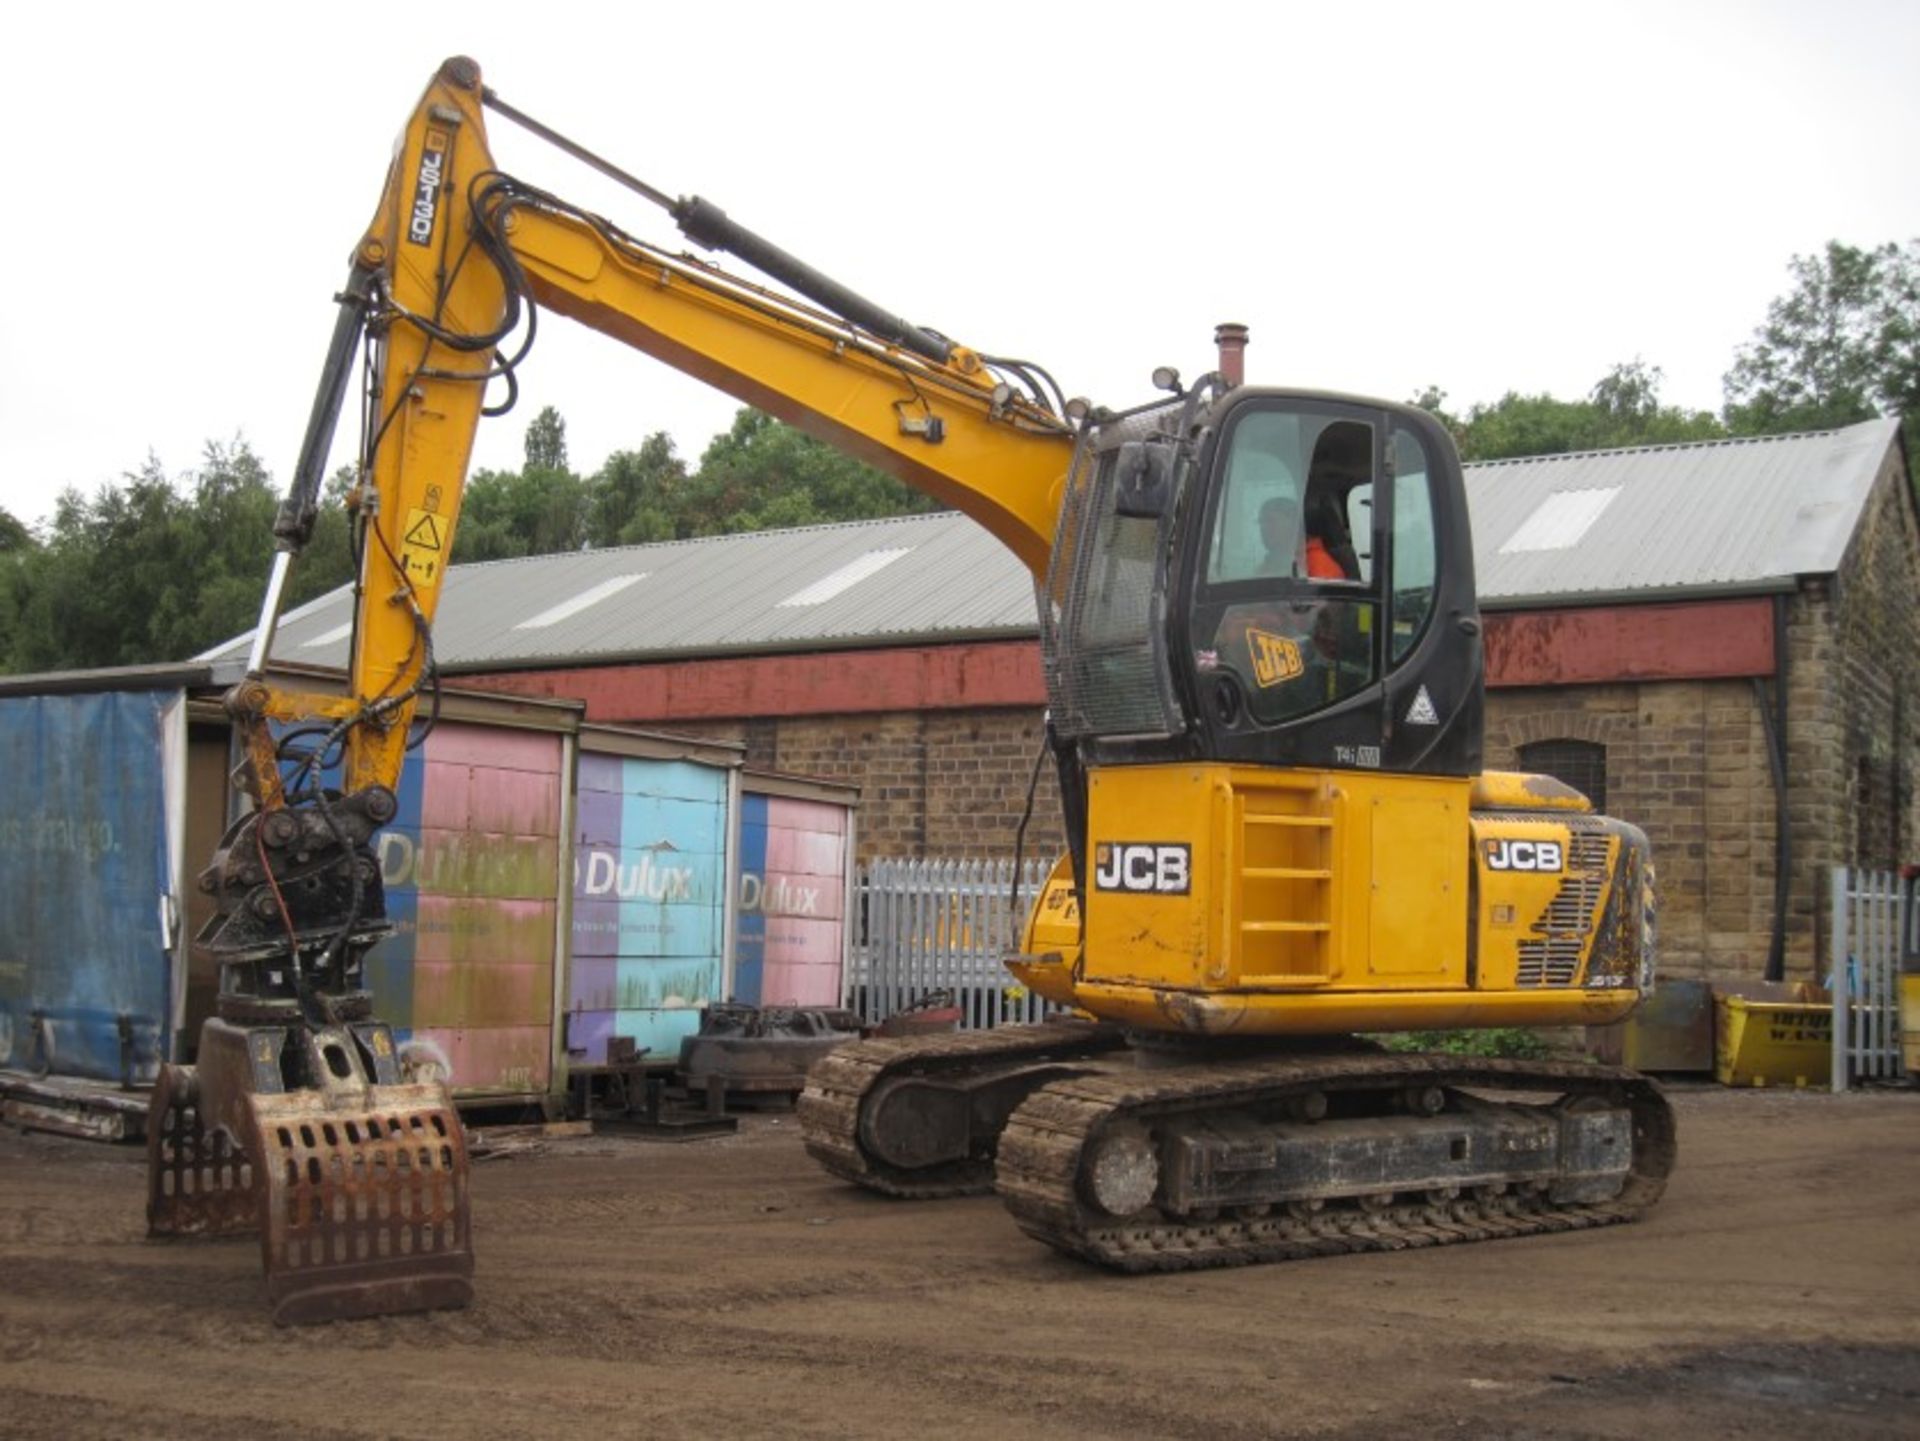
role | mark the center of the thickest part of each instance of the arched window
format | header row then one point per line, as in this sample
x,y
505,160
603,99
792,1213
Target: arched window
x,y
1581,764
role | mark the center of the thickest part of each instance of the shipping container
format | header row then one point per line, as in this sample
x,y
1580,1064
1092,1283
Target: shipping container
x,y
92,838
795,884
474,866
651,928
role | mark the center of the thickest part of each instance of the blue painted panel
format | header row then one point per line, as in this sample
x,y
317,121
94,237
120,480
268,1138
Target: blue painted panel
x,y
676,931
657,1031
750,928
670,824
390,963
681,780
83,864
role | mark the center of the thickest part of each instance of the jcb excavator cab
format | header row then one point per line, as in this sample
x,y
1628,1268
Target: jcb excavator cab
x,y
1299,593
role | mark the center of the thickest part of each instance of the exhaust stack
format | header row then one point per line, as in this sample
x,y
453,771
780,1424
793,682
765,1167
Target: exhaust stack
x,y
1231,338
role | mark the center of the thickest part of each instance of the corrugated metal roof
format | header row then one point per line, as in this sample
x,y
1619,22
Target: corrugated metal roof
x,y
1730,514
1718,514
949,581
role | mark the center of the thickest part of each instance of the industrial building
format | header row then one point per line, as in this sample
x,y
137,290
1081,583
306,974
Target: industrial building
x,y
1719,641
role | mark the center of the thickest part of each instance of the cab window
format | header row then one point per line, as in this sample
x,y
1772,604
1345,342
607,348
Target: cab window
x,y
1414,551
1294,510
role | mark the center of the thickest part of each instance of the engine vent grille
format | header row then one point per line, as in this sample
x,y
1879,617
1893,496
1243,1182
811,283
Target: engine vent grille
x,y
1565,927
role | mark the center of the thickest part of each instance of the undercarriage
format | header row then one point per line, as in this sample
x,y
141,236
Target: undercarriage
x,y
1143,1161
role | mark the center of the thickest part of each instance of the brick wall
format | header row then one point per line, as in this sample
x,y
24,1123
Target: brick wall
x,y
1870,715
940,783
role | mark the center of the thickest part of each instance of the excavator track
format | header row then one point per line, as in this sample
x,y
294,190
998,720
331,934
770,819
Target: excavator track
x,y
838,1135
1044,1151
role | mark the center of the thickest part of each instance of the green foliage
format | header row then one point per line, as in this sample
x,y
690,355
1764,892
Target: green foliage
x,y
1622,409
153,568
762,475
637,496
547,441
1515,1041
1842,346
508,513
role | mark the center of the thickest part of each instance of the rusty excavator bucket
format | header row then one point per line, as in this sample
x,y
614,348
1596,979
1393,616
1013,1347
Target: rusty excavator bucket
x,y
298,1120
357,1186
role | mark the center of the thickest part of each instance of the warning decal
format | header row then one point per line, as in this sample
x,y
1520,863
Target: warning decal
x,y
423,545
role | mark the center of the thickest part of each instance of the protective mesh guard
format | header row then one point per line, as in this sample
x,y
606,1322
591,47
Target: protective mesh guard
x,y
367,1208
198,1182
1102,606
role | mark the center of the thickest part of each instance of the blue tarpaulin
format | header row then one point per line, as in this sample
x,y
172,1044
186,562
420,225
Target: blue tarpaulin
x,y
84,879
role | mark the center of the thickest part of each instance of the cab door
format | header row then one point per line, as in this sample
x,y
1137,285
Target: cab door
x,y
1329,617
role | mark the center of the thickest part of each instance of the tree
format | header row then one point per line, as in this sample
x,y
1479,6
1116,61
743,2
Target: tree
x,y
762,474
537,510
637,494
546,444
1623,408
1843,345
154,568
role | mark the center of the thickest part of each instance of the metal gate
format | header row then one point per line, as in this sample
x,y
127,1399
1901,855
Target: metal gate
x,y
1871,916
926,926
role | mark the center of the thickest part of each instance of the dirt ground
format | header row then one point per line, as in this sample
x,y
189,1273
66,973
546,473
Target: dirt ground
x,y
727,1288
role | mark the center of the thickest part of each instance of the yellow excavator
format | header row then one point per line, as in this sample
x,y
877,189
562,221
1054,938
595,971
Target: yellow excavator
x,y
1263,658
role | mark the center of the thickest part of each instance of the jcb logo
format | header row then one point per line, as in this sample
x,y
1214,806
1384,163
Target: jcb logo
x,y
1161,870
1275,657
1526,856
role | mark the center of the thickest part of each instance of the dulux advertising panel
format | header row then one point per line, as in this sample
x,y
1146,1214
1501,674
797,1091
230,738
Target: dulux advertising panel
x,y
648,903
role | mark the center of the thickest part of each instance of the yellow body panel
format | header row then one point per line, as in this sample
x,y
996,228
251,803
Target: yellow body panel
x,y
1241,899
1910,1024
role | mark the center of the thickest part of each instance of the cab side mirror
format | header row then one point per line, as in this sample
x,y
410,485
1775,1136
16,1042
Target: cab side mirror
x,y
1143,480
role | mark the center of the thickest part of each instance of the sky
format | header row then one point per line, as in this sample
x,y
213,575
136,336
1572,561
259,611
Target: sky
x,y
1482,197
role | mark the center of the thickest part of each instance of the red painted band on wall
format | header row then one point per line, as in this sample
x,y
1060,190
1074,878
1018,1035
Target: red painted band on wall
x,y
1697,640
949,677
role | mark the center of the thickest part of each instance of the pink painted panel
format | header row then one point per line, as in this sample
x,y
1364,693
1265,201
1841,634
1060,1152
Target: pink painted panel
x,y
495,1058
799,985
494,747
805,853
792,941
479,932
788,893
512,802
478,998
787,813
476,863
443,796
